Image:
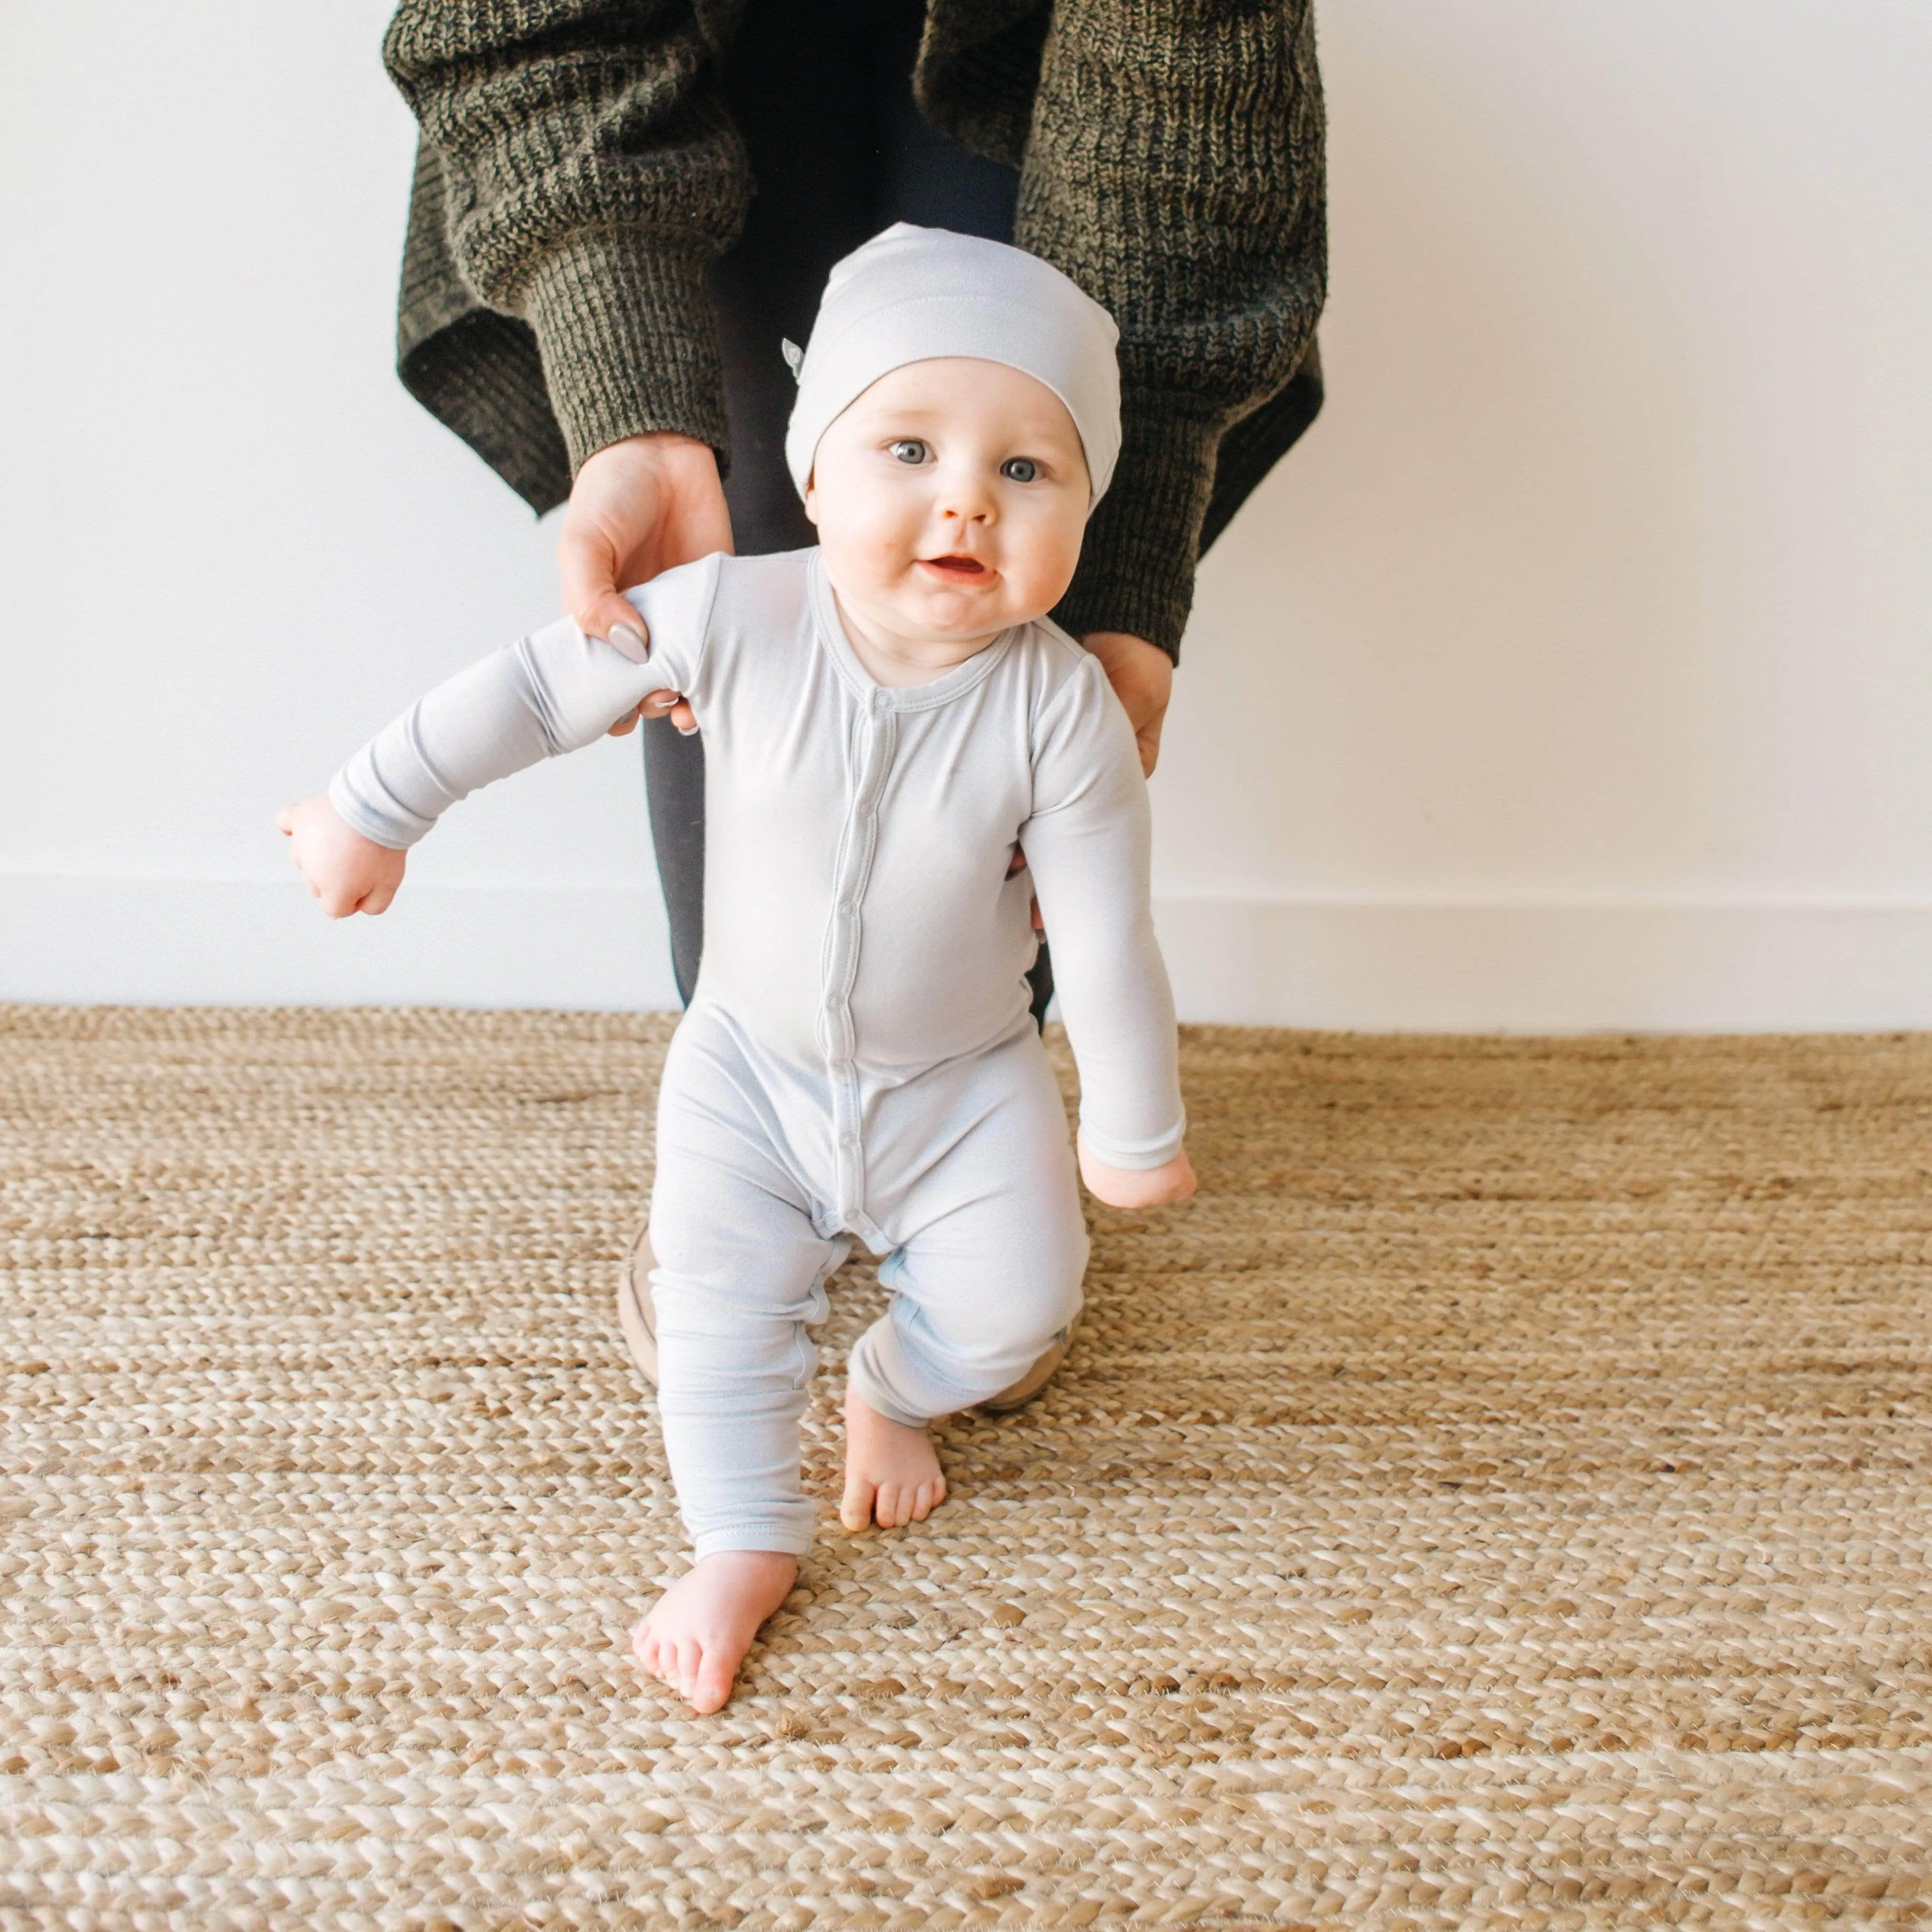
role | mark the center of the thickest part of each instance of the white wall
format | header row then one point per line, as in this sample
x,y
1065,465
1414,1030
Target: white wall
x,y
1574,673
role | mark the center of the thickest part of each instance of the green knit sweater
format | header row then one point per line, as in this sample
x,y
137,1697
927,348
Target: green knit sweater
x,y
578,172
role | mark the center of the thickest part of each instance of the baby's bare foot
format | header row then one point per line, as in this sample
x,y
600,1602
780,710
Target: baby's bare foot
x,y
892,1471
698,1631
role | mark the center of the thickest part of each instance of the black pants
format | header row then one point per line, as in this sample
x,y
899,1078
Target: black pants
x,y
821,91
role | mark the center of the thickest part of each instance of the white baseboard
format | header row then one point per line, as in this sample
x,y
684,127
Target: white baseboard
x,y
192,942
1371,965
1762,967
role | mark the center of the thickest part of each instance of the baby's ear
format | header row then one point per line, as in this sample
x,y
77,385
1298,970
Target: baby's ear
x,y
810,496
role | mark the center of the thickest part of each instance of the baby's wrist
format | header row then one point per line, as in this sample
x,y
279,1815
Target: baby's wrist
x,y
341,826
1173,1179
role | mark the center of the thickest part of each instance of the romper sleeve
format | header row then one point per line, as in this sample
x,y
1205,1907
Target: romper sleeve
x,y
1088,843
554,690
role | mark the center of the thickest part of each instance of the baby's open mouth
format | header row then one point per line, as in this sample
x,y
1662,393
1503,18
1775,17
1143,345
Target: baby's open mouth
x,y
958,566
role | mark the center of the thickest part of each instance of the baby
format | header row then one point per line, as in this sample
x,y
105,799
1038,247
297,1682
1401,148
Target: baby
x,y
900,751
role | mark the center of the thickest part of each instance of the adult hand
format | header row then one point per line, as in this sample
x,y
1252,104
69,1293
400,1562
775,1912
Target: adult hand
x,y
1142,676
638,507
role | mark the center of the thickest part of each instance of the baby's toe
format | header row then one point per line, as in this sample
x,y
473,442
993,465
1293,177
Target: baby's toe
x,y
855,1510
684,1660
656,1651
711,1682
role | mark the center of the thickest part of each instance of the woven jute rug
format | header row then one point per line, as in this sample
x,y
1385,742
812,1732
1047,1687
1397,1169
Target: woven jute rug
x,y
1500,1500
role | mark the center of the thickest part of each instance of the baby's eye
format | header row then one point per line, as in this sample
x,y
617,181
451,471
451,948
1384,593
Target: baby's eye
x,y
1019,469
908,449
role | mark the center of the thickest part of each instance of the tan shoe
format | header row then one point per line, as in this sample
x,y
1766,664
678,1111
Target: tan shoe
x,y
635,1312
1017,1395
635,1317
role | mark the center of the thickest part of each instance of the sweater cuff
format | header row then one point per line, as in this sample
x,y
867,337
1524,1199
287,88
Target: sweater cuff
x,y
1136,571
628,342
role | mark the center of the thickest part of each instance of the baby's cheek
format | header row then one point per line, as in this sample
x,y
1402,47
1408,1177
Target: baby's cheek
x,y
1046,568
891,551
851,561
876,550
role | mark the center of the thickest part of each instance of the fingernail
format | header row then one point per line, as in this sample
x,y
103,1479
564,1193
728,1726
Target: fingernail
x,y
687,730
630,642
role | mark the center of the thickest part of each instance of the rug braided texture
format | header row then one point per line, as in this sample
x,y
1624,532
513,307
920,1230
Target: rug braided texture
x,y
1500,1500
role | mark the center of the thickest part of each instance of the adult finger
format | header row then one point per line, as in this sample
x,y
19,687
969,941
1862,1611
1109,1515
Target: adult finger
x,y
673,705
615,619
586,567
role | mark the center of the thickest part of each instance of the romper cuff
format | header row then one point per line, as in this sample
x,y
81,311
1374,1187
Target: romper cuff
x,y
780,1541
1135,1156
397,828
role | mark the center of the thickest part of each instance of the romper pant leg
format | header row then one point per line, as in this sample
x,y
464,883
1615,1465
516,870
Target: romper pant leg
x,y
741,1269
992,1242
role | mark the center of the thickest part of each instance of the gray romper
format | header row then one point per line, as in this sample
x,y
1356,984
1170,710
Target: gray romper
x,y
858,1059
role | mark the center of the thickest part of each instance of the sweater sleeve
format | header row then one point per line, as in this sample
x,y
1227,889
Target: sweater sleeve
x,y
555,691
1171,162
1088,843
579,172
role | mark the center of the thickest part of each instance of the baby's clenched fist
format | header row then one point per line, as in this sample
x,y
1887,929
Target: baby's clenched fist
x,y
347,872
1136,1187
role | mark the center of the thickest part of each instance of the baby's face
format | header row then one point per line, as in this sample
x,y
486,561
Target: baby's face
x,y
950,500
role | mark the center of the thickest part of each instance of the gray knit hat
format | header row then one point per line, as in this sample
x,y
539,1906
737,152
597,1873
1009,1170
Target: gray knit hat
x,y
912,294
